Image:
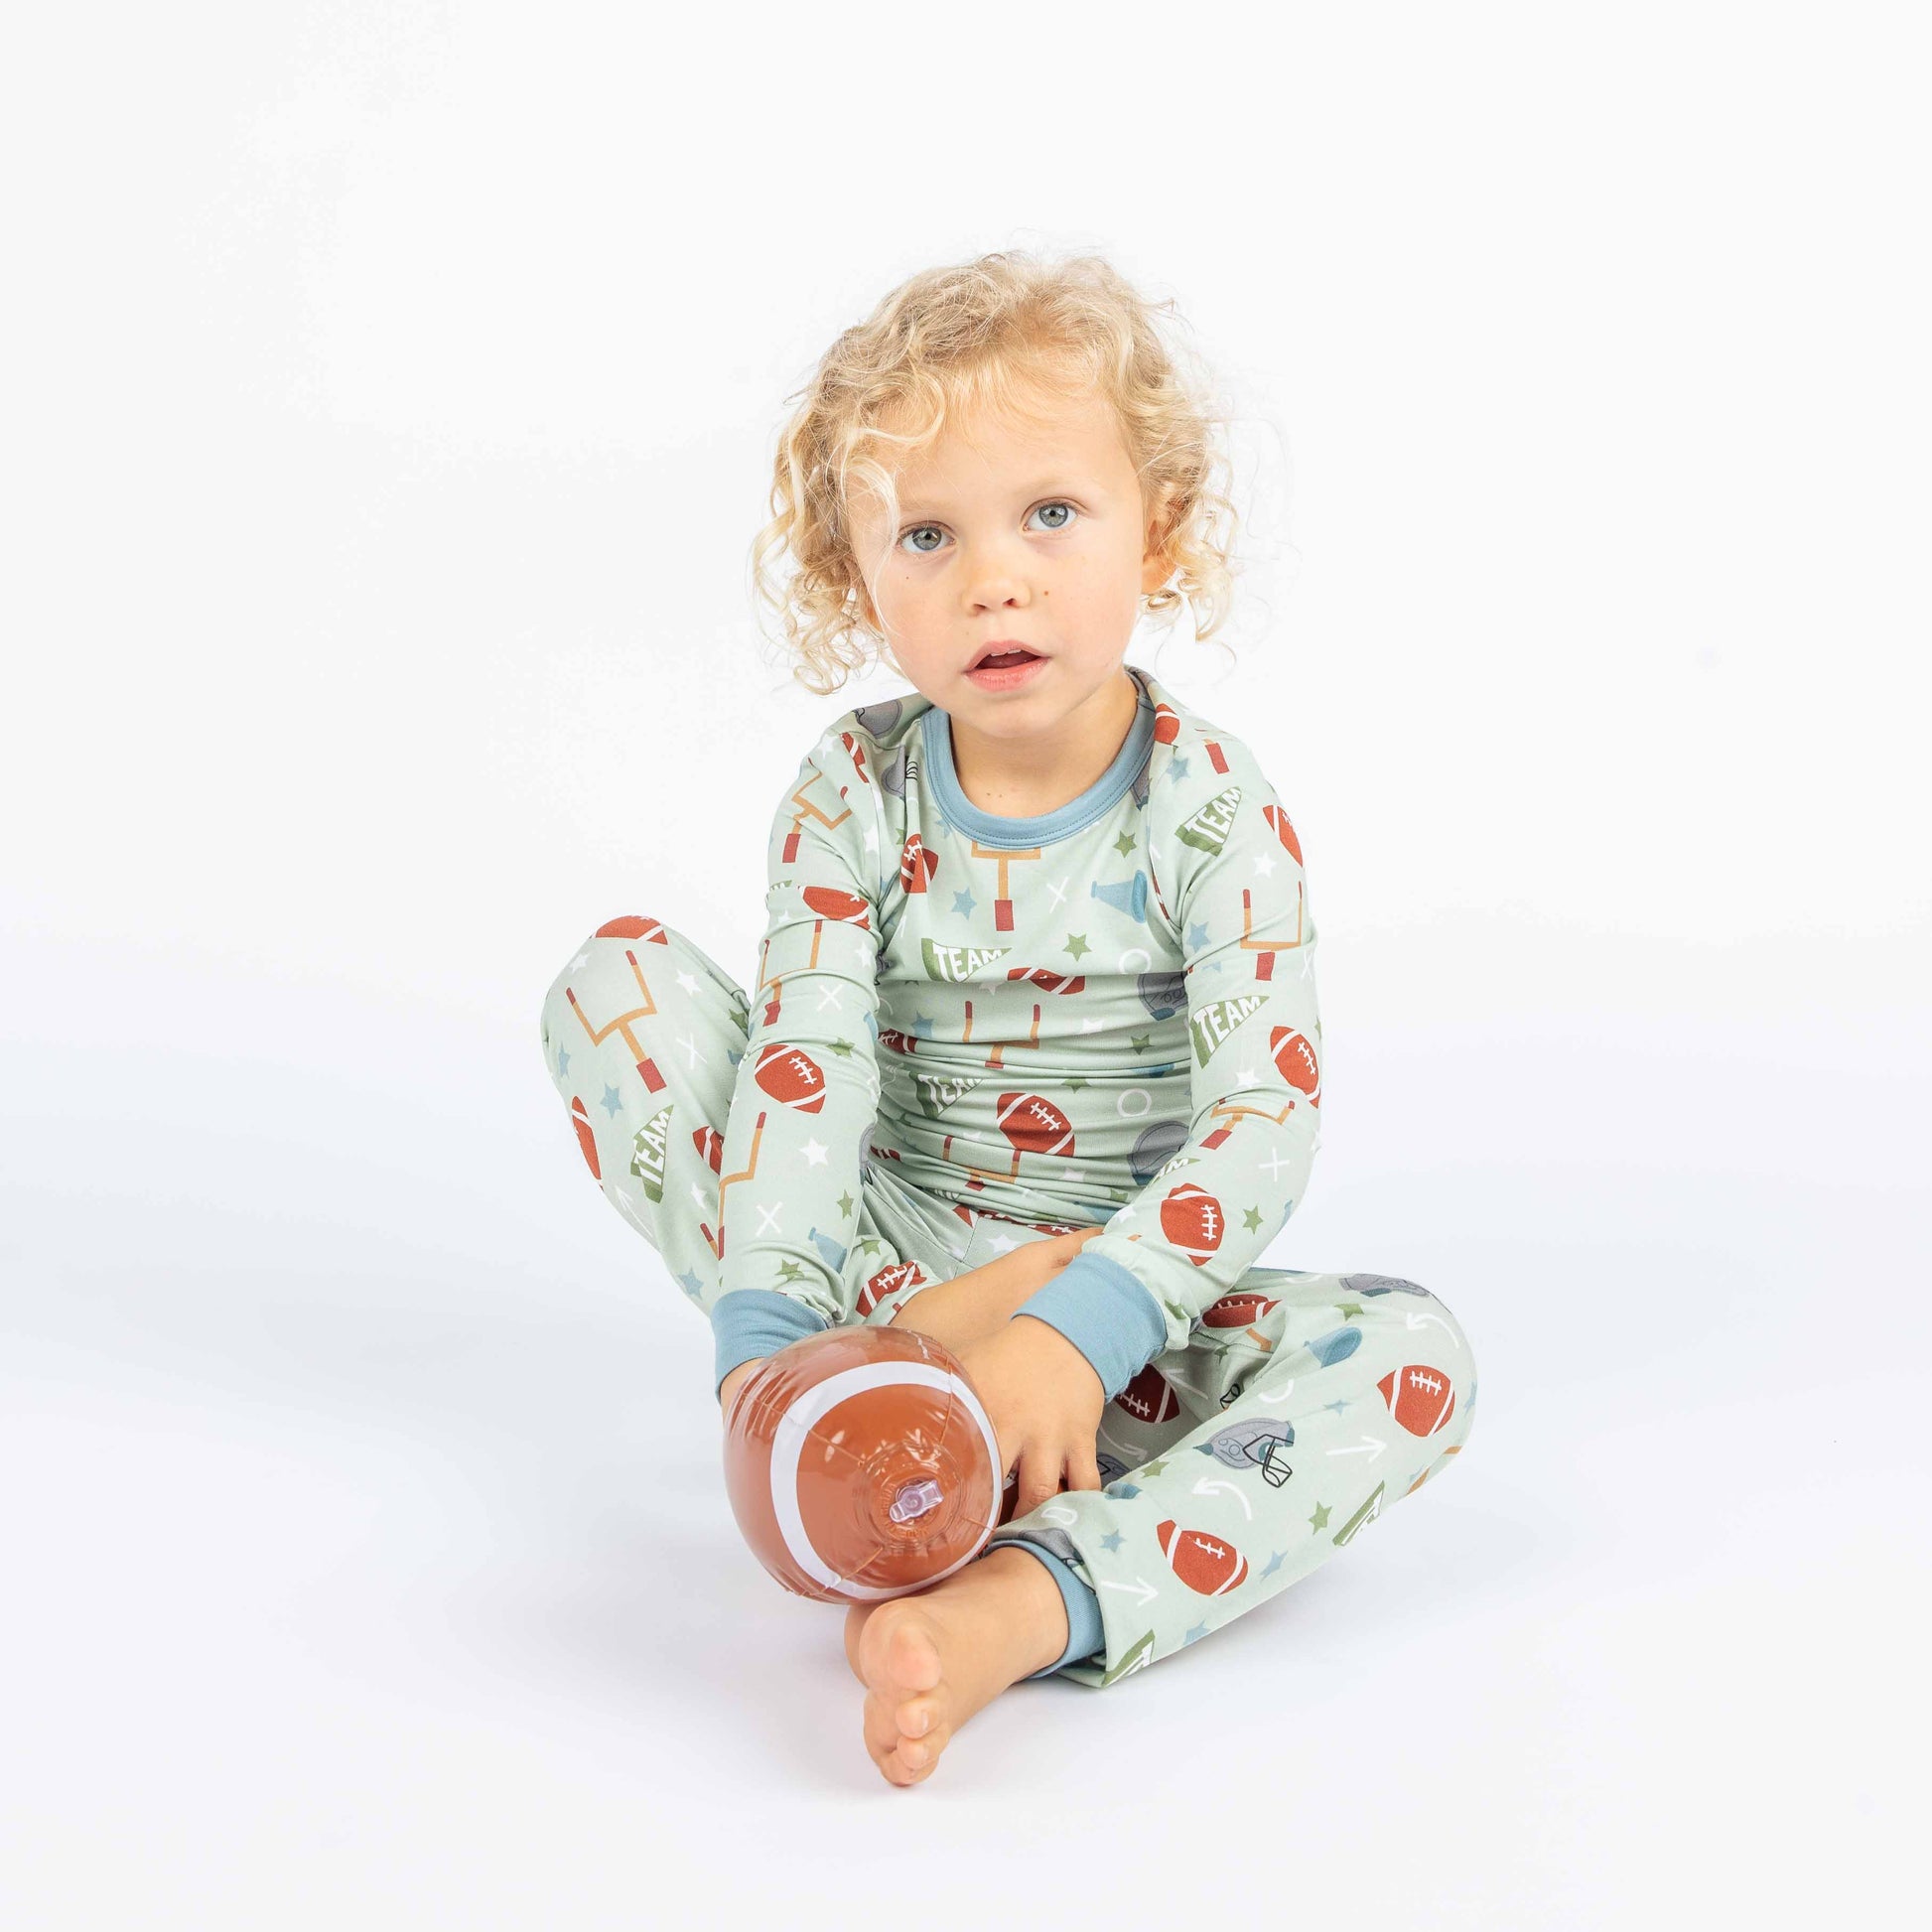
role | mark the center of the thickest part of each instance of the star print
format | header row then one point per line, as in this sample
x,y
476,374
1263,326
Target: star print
x,y
1264,864
843,1048
612,1101
1338,1405
1076,1082
1196,938
1320,1520
1152,1469
1076,945
1273,1562
963,903
815,1153
688,981
1123,1491
845,1202
1199,1631
689,1283
791,1272
1124,844
1111,1541
1252,1217
1350,1310
1176,767
923,1026
563,1062
1140,1041
870,1245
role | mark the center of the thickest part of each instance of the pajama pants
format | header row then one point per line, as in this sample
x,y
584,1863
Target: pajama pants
x,y
1233,1466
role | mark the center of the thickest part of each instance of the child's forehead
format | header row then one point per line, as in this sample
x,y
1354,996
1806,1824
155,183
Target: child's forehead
x,y
1052,433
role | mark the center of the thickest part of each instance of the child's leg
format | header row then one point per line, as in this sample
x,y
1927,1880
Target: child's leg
x,y
643,1035
642,1032
1273,1446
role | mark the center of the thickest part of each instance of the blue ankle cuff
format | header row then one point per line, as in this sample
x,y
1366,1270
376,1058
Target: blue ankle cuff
x,y
1084,1632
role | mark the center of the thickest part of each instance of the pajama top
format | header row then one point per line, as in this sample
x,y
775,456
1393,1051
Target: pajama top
x,y
1104,1014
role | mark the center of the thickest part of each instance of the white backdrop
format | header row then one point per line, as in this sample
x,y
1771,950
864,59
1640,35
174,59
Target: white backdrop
x,y
391,391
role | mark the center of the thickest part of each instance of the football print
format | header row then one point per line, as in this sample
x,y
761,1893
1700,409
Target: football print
x,y
916,865
1237,1310
581,1119
1033,1125
1203,1562
634,925
1150,1397
829,902
1282,830
887,1282
791,1074
1191,1219
711,1147
1420,1399
1296,1060
1047,980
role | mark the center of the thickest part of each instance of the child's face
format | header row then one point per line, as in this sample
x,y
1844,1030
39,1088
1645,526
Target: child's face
x,y
1034,532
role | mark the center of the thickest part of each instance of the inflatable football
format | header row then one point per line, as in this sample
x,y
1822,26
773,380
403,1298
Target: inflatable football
x,y
860,1464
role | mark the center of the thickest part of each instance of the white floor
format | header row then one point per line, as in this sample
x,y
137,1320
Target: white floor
x,y
368,1565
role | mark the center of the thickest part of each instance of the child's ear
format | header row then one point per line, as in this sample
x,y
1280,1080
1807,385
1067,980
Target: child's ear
x,y
867,615
1156,566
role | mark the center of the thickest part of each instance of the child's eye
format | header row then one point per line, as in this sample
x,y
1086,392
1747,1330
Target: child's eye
x,y
927,549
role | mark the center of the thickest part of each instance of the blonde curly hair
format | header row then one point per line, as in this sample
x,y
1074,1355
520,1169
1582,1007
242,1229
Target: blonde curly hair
x,y
958,340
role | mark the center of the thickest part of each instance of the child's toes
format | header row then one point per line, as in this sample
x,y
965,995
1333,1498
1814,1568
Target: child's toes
x,y
907,1657
918,1716
883,1736
919,1754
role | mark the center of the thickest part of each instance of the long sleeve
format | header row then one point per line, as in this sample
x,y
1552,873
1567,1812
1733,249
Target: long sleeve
x,y
806,1093
1233,875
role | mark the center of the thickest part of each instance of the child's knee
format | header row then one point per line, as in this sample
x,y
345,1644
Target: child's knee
x,y
596,984
1439,1312
1448,1348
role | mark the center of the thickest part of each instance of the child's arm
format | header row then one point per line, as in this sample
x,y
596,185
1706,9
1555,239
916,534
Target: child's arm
x,y
805,1096
1231,871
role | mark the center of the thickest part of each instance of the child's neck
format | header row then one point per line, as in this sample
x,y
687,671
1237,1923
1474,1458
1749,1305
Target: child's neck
x,y
1027,776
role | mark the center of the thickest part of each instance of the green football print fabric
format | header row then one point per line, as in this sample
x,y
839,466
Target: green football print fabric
x,y
967,1032
1101,1015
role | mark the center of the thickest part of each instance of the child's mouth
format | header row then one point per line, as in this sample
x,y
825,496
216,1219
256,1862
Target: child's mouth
x,y
1005,670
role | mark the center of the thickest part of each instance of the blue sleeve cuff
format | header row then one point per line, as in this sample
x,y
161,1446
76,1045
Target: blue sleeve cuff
x,y
1085,1633
1106,1312
753,1321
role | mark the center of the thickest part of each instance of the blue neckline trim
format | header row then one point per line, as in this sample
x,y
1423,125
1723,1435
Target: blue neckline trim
x,y
1043,828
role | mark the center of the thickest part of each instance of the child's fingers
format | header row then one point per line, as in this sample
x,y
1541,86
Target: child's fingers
x,y
1082,1469
1040,1479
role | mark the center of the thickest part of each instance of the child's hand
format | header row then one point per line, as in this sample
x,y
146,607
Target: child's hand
x,y
1045,1402
979,1303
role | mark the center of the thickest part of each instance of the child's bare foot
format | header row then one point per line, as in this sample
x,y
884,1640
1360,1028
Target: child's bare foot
x,y
928,1661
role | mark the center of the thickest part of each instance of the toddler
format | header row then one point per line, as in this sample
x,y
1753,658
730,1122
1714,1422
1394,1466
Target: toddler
x,y
1031,1063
